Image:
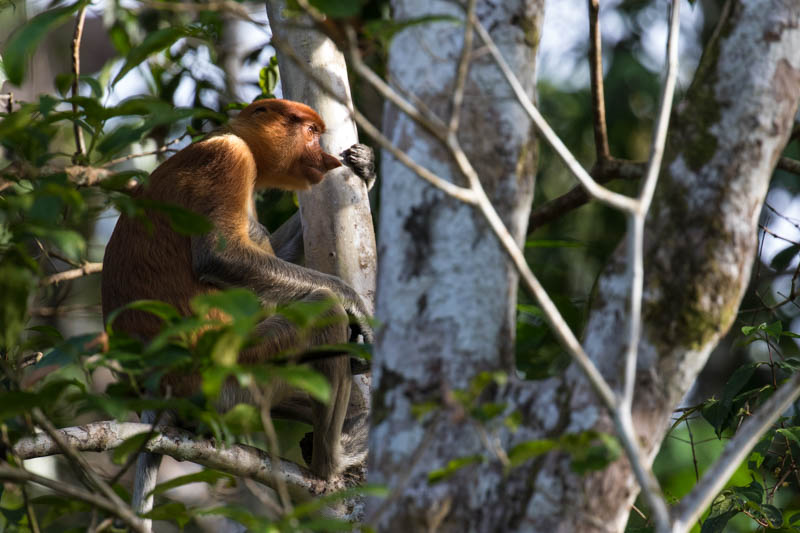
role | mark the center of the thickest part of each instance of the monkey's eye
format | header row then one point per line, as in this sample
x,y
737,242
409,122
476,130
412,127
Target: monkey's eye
x,y
312,129
259,110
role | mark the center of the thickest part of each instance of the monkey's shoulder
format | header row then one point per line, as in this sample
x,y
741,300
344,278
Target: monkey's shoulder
x,y
222,156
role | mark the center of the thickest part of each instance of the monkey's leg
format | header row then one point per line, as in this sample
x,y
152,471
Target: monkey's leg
x,y
327,419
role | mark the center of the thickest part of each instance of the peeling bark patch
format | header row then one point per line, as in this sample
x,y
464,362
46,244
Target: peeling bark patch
x,y
786,80
418,226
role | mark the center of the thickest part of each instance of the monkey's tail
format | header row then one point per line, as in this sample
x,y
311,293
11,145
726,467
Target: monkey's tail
x,y
355,445
146,478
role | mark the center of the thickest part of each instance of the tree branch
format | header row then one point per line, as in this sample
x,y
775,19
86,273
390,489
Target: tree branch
x,y
596,69
237,459
80,149
66,275
603,172
789,165
611,198
18,475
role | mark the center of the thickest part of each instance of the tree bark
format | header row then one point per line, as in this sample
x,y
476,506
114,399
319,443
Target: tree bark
x,y
447,292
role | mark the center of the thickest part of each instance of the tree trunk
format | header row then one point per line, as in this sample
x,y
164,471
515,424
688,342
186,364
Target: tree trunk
x,y
338,235
700,243
447,292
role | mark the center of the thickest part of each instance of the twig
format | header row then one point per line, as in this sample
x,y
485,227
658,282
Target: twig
x,y
603,172
596,70
17,475
691,507
274,447
159,150
462,70
611,198
789,165
80,149
66,275
83,469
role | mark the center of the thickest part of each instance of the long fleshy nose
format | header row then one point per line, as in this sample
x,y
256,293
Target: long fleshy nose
x,y
330,162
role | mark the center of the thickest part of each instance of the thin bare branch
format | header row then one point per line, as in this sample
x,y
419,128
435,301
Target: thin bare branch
x,y
611,198
691,507
17,475
635,245
83,468
789,165
596,69
463,69
80,148
66,275
603,172
157,151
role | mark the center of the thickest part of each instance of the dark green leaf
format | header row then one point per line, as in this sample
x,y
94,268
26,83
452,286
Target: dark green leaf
x,y
23,43
204,476
130,446
452,467
153,43
783,259
172,512
553,244
338,8
530,449
306,379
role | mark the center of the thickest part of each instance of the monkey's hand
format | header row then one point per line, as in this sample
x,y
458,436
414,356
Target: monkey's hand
x,y
359,316
361,159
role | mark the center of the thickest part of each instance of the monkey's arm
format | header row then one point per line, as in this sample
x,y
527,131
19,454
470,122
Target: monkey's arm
x,y
232,262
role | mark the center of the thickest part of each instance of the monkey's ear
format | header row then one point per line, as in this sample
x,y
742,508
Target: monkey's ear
x,y
330,162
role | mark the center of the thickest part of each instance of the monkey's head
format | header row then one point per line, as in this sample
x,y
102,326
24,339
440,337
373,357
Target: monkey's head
x,y
284,139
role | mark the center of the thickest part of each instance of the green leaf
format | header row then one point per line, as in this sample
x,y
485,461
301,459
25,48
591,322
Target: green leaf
x,y
268,78
783,259
385,30
452,467
338,8
243,419
23,43
153,43
240,304
172,512
204,476
306,379
131,445
529,450
16,283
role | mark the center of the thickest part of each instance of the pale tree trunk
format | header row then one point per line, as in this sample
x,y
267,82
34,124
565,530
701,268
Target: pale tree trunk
x,y
338,235
700,243
447,293
446,288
